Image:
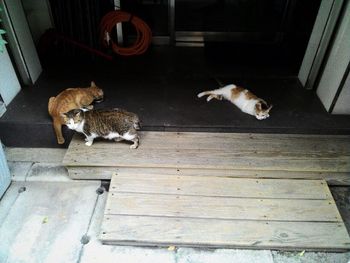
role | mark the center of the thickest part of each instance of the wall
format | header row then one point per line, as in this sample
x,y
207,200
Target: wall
x,y
5,177
38,16
337,63
20,41
342,104
9,85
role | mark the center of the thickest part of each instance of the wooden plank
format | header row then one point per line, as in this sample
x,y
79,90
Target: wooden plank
x,y
204,159
221,186
217,154
221,207
237,141
257,144
105,173
162,210
165,231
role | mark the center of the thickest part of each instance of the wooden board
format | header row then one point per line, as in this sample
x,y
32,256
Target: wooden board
x,y
237,155
222,187
221,208
162,210
105,173
165,231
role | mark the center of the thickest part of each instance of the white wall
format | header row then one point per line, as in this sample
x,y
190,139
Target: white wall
x,y
343,102
337,62
20,41
5,177
325,23
9,85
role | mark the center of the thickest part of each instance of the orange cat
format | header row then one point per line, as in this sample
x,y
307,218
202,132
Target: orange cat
x,y
70,99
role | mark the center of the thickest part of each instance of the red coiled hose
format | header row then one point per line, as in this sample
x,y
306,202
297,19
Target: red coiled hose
x,y
143,38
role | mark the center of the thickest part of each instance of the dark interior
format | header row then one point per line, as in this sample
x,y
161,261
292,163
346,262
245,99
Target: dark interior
x,y
257,44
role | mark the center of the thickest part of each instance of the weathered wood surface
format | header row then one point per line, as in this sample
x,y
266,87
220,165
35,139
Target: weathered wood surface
x,y
209,211
221,208
194,232
105,173
222,187
225,151
232,141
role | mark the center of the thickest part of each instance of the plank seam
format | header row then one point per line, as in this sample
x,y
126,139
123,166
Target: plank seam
x,y
222,219
221,196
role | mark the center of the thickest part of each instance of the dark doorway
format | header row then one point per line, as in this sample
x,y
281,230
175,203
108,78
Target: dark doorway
x,y
205,44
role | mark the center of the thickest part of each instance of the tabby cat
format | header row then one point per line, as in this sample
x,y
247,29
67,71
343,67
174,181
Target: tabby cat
x,y
117,124
245,100
69,99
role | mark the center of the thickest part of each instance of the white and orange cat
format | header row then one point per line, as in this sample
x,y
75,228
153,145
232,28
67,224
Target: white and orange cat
x,y
245,100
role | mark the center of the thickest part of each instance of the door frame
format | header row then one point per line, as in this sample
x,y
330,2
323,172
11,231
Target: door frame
x,y
322,32
20,41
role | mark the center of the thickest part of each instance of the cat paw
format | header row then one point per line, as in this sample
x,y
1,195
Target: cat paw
x,y
88,143
60,141
134,146
260,118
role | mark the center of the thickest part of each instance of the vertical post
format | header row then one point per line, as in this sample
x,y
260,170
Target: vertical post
x,y
171,18
2,107
119,27
5,178
341,101
325,23
336,67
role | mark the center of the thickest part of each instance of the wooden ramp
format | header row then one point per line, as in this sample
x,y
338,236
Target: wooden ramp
x,y
219,189
216,154
201,211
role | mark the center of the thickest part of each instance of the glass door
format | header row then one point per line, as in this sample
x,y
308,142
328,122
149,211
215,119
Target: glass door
x,y
230,20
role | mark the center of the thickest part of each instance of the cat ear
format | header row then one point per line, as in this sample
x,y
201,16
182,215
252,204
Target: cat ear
x,y
92,84
77,112
263,101
258,106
